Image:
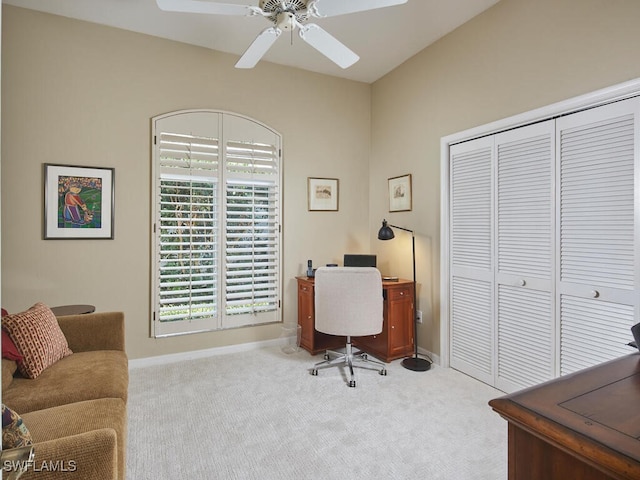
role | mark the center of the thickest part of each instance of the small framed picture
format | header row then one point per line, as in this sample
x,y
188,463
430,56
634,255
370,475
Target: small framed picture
x,y
78,202
322,194
400,193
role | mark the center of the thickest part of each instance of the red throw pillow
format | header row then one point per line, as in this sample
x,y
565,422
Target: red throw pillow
x,y
9,349
38,337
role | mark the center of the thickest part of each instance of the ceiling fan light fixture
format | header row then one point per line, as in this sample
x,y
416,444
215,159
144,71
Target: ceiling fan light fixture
x,y
286,21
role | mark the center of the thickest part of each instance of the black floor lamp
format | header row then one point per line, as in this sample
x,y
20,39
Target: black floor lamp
x,y
411,363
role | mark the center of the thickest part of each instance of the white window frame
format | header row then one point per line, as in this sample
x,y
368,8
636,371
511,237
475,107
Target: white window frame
x,y
229,167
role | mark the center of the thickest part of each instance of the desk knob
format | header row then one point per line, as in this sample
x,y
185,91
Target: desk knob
x,y
595,293
523,282
401,293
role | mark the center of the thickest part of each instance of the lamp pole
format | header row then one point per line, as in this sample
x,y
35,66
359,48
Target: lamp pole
x,y
410,363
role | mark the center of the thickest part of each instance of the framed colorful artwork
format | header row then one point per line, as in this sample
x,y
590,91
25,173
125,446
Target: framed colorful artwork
x,y
322,194
78,202
400,193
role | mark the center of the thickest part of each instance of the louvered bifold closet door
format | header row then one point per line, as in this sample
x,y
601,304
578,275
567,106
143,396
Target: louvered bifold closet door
x,y
524,251
471,282
598,241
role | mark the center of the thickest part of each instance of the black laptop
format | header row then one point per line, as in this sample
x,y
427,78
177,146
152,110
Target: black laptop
x,y
359,260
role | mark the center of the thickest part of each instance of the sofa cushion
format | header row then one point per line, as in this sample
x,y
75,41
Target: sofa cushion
x,y
14,432
78,377
37,335
9,349
9,367
91,455
78,418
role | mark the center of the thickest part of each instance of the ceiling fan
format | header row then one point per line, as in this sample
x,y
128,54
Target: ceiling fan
x,y
286,15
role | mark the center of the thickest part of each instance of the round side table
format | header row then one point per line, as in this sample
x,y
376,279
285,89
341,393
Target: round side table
x,y
63,310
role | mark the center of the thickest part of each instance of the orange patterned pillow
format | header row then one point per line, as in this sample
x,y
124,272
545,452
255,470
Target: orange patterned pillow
x,y
37,335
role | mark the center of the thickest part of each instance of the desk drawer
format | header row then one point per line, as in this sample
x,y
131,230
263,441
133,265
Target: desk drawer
x,y
399,293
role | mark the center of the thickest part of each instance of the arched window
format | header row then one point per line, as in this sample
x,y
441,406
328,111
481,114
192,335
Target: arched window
x,y
216,222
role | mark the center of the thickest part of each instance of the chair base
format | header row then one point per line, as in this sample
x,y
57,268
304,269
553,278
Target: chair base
x,y
350,360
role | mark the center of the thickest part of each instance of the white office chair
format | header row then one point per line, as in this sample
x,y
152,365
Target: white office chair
x,y
348,302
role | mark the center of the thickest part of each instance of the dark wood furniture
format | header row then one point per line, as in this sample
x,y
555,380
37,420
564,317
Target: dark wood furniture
x,y
584,426
395,340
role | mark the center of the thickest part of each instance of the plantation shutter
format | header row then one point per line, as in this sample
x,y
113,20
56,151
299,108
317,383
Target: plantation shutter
x,y
216,223
186,238
252,236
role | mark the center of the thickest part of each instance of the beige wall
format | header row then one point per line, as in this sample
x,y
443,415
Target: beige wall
x,y
519,55
82,94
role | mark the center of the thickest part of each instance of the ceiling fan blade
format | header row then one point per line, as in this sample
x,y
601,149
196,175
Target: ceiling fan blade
x,y
258,48
200,6
327,45
331,8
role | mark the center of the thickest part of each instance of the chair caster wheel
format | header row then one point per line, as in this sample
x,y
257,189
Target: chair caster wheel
x,y
365,357
327,357
383,372
352,384
314,372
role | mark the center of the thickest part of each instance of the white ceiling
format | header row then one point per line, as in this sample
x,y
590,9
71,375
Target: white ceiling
x,y
383,38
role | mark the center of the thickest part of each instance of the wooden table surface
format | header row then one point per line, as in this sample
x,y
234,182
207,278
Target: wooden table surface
x,y
593,416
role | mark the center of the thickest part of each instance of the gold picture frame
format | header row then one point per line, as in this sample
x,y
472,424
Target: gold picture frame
x,y
400,193
322,194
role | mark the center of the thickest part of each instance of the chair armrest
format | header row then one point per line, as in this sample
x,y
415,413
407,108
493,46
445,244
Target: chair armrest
x,y
94,331
87,455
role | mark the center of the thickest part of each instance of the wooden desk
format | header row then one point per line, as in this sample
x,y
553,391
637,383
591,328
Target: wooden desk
x,y
395,340
584,426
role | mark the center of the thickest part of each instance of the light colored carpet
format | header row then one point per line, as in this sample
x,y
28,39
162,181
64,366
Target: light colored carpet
x,y
261,415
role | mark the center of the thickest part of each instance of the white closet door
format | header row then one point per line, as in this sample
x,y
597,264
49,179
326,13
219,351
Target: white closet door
x,y
471,234
597,286
525,214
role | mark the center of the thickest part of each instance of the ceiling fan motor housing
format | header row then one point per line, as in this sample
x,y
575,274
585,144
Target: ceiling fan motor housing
x,y
285,13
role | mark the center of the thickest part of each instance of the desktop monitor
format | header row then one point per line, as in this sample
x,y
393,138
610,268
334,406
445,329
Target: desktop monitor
x,y
359,260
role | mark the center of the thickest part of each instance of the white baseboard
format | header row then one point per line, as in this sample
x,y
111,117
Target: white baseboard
x,y
209,352
242,347
434,358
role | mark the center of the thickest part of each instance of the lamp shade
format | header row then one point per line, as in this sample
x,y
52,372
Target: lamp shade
x,y
385,232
